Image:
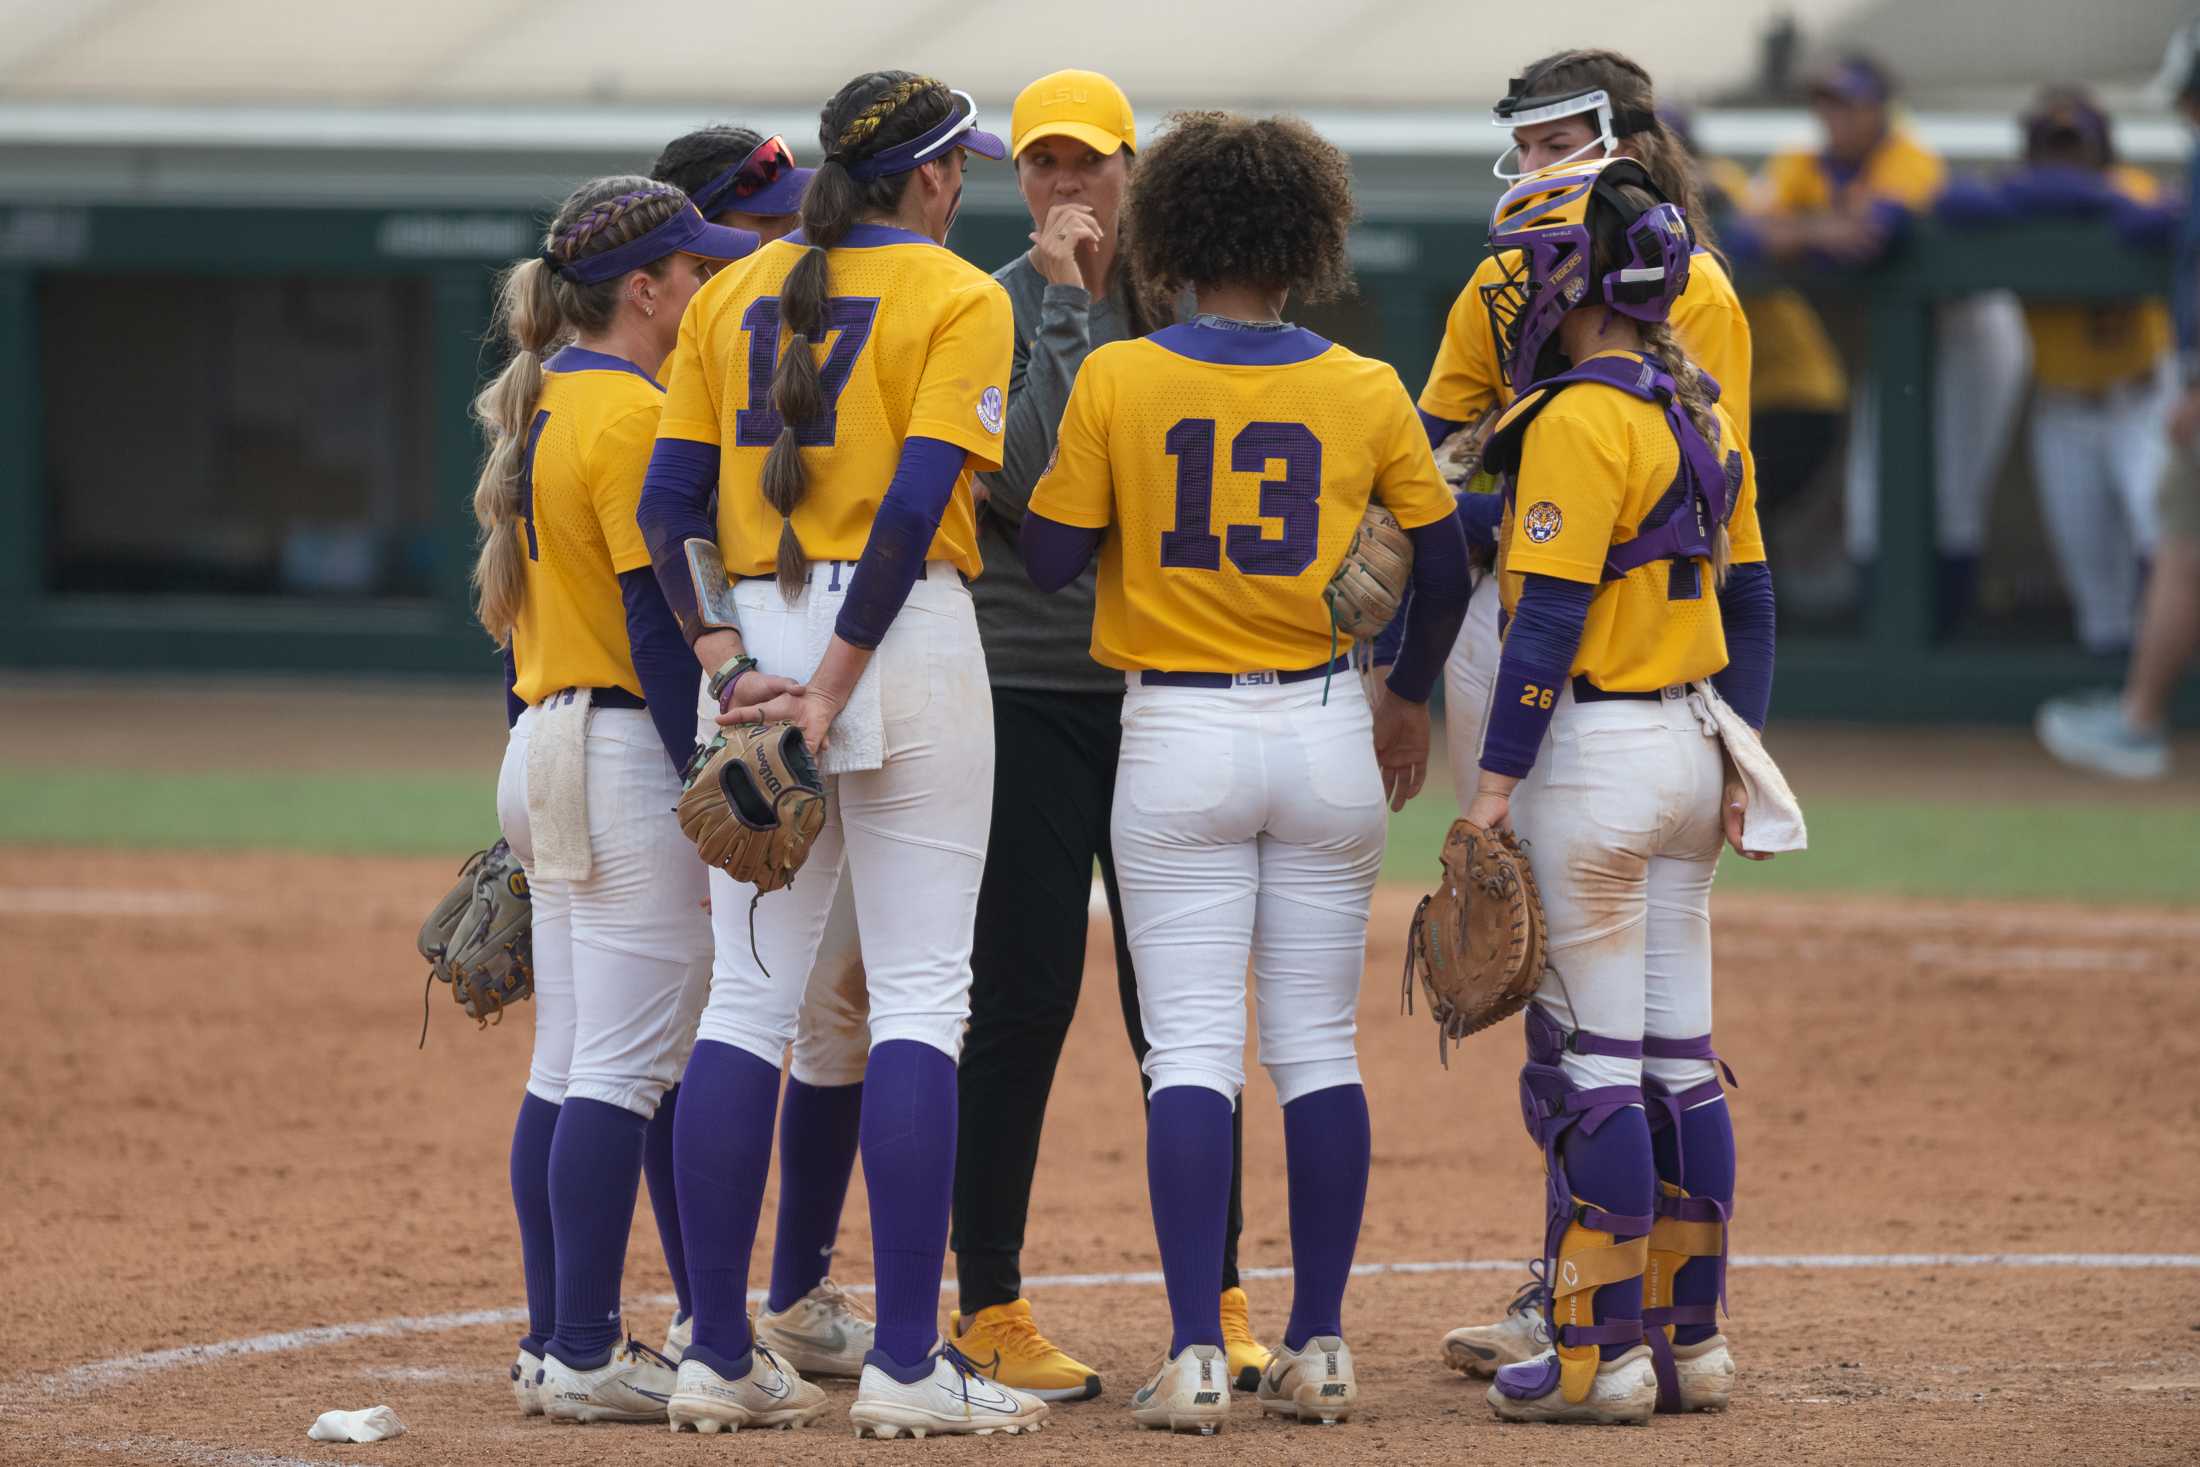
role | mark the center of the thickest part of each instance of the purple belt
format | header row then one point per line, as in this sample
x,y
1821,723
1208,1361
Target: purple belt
x,y
1241,679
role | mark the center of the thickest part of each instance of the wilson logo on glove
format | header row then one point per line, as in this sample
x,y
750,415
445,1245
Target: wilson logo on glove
x,y
754,803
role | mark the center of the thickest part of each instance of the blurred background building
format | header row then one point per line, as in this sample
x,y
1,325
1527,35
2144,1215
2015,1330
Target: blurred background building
x,y
246,248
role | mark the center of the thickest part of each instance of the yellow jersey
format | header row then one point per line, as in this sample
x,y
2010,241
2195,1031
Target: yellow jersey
x,y
1468,378
1900,170
1593,465
588,449
2089,348
1232,468
917,345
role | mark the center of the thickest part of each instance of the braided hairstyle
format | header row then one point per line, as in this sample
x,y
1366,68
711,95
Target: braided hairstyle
x,y
693,159
537,309
1666,157
874,112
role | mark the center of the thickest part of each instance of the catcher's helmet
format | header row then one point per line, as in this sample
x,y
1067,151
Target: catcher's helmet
x,y
1544,233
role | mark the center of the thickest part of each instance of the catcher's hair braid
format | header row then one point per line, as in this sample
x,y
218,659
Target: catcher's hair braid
x,y
536,311
1667,159
865,117
693,159
1221,198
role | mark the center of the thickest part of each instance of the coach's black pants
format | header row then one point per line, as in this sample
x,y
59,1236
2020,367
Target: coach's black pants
x,y
1053,788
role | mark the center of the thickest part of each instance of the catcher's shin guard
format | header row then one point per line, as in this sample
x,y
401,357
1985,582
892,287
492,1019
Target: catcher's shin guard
x,y
1586,1247
1687,1227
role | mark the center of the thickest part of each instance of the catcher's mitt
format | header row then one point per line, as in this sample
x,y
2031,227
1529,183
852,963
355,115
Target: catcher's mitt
x,y
1370,581
480,938
1478,941
754,803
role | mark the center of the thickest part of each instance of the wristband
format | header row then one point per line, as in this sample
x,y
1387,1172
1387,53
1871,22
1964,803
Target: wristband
x,y
722,681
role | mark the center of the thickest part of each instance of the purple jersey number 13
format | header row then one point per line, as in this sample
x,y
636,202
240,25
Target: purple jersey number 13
x,y
1295,499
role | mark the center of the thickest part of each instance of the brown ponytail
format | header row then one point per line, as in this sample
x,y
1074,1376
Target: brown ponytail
x,y
870,114
537,310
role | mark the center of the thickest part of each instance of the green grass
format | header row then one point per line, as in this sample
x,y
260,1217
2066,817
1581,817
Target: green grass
x,y
2004,851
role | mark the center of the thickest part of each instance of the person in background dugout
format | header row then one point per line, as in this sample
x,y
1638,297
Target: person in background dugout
x,y
2103,369
2127,734
1058,728
1844,207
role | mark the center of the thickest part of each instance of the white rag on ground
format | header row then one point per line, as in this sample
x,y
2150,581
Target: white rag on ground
x,y
1774,820
557,787
858,739
375,1424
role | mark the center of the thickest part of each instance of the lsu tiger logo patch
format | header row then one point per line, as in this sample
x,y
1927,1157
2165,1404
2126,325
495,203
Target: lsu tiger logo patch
x,y
1541,521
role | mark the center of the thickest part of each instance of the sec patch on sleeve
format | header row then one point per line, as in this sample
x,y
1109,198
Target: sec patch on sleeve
x,y
989,410
1541,521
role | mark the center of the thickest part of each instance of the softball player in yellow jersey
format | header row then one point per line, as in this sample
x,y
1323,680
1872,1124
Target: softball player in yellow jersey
x,y
600,691
1220,467
1573,104
1632,574
838,389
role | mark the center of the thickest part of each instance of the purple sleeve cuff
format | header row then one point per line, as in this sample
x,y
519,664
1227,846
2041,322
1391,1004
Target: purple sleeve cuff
x,y
1533,670
1748,614
1438,429
513,707
901,537
1054,553
1441,580
674,509
1479,517
665,663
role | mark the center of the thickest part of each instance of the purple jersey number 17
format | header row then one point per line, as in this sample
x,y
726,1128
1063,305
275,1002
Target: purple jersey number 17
x,y
848,321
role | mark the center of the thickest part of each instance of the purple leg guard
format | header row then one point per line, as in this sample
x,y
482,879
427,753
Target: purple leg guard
x,y
1693,1134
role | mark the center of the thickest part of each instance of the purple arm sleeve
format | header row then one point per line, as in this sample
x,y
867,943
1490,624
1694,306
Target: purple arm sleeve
x,y
1747,611
901,536
1972,201
675,508
664,663
513,707
1538,659
2052,191
1054,553
1438,429
1478,518
1441,580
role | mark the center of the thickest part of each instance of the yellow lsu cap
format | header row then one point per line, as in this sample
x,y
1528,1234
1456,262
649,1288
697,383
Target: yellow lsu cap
x,y
1073,104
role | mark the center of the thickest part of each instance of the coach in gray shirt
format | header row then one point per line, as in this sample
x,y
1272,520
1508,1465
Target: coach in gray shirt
x,y
1057,730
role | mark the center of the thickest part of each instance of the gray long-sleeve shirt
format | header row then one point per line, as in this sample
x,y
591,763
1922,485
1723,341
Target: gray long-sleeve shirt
x,y
1032,639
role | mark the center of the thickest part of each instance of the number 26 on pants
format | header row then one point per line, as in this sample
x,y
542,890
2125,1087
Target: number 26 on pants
x,y
1295,499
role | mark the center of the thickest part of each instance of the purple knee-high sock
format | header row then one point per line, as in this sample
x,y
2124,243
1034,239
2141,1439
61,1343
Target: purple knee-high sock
x,y
721,1151
1188,1175
1325,1147
909,1167
664,1195
1706,1146
819,1127
595,1170
538,1259
1613,1170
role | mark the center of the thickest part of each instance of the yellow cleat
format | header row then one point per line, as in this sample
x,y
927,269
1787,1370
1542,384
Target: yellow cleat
x,y
1248,1356
1006,1347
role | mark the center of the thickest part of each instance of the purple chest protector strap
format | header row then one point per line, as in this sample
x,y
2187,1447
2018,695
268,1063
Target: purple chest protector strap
x,y
1682,523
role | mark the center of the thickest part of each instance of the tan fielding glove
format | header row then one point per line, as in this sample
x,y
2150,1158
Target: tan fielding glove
x,y
1371,580
480,938
754,803
1478,941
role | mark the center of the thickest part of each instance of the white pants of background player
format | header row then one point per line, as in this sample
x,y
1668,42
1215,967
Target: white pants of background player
x,y
911,834
1248,823
1622,811
2099,462
622,959
1982,364
1469,674
832,1039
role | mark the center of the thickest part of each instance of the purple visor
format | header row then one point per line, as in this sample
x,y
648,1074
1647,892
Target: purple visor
x,y
686,232
765,182
959,130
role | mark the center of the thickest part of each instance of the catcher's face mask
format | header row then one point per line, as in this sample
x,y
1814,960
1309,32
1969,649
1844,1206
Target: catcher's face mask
x,y
1516,111
1541,233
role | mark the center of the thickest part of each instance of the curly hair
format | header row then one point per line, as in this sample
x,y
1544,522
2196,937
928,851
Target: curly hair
x,y
691,160
1223,198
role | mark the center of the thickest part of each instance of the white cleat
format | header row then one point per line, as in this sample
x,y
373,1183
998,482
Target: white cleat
x,y
2091,733
1314,1384
678,1336
1625,1392
1484,1349
769,1397
1188,1393
633,1385
954,1400
524,1371
824,1333
1706,1371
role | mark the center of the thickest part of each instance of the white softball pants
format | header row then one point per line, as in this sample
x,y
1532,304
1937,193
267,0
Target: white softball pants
x,y
909,835
1621,813
2099,463
1469,674
832,1039
1248,824
622,958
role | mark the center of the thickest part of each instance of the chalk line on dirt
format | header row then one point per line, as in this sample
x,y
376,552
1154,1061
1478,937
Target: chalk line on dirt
x,y
91,1376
